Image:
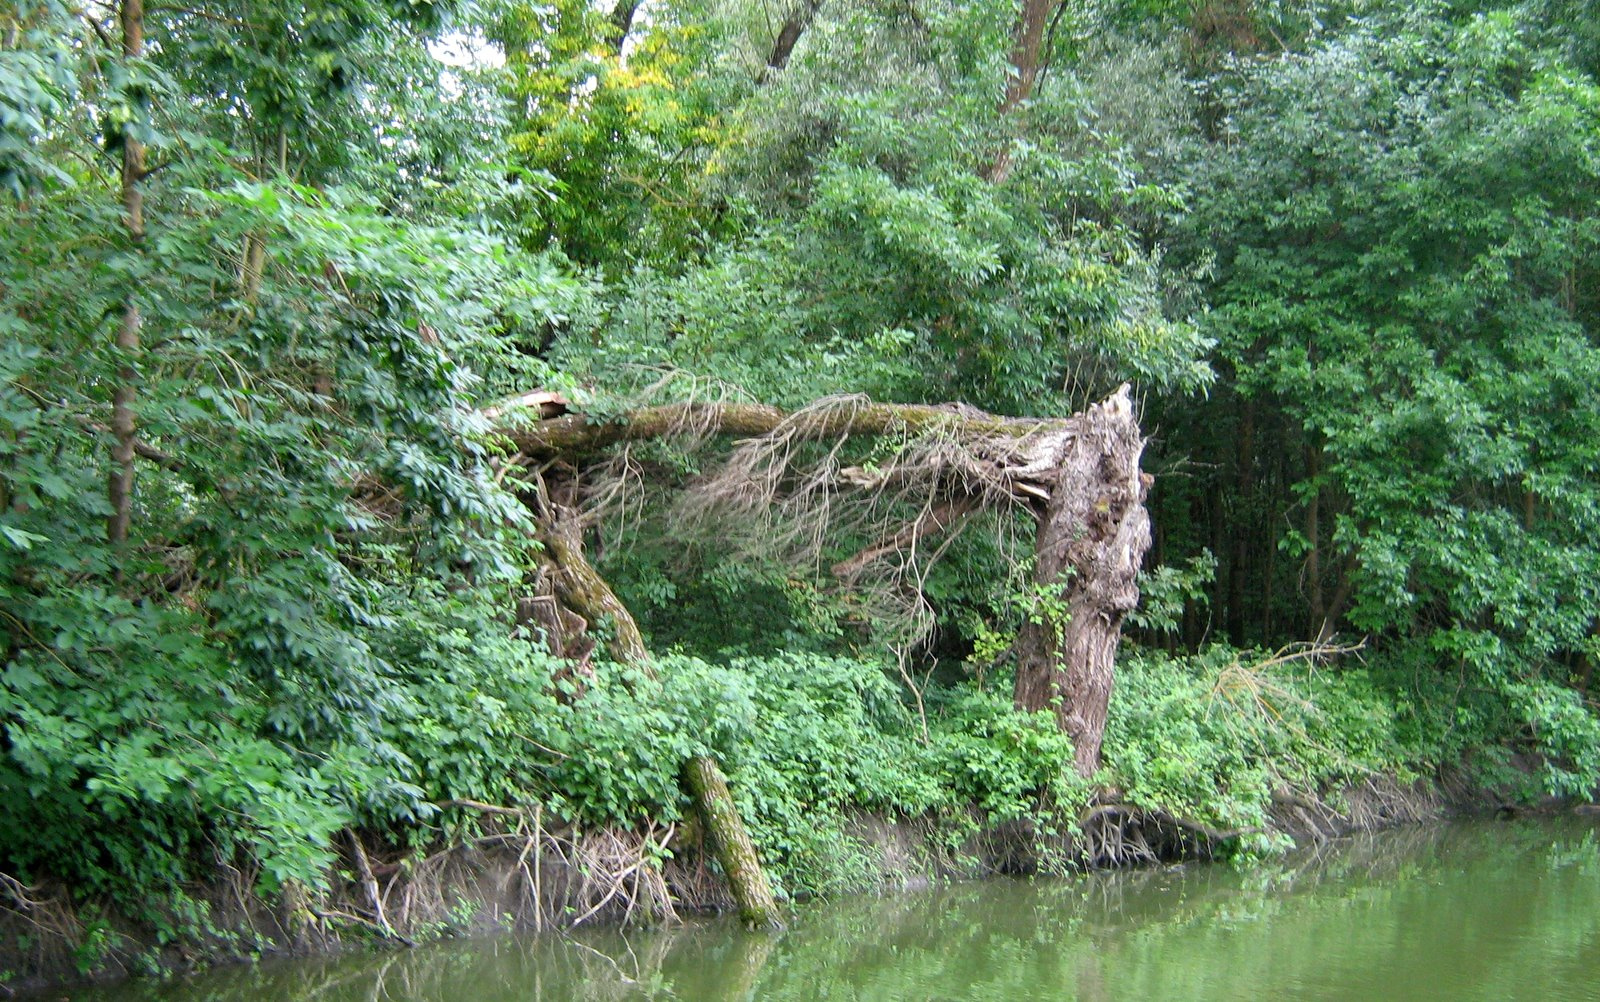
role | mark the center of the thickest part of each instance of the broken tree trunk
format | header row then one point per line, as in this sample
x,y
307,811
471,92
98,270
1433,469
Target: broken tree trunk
x,y
1087,553
1078,477
581,595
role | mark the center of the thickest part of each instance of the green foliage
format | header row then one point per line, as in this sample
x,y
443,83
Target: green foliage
x,y
1165,591
807,742
1385,230
877,258
222,688
624,138
1394,232
1214,735
38,81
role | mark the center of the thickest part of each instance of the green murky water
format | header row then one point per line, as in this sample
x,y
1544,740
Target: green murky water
x,y
1469,911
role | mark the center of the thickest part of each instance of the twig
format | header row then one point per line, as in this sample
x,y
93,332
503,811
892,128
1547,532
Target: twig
x,y
476,805
369,884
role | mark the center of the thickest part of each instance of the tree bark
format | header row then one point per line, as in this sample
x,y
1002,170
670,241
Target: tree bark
x,y
735,853
1027,44
1027,48
1088,548
789,34
119,487
582,589
1314,540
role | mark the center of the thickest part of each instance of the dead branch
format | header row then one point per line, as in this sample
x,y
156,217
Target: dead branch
x,y
941,517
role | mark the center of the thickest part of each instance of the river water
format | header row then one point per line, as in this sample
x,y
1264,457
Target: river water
x,y
1476,910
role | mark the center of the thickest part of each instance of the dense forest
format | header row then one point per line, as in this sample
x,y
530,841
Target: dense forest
x,y
428,424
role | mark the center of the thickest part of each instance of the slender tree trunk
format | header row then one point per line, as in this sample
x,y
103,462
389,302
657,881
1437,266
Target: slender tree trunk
x,y
1027,49
1319,608
1276,510
1333,611
1091,539
253,265
119,489
788,37
582,589
1217,542
1244,532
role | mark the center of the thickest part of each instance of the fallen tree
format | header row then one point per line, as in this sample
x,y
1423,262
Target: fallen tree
x,y
1078,478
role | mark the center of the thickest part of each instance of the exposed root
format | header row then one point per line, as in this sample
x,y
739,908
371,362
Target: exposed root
x,y
1120,835
789,494
48,924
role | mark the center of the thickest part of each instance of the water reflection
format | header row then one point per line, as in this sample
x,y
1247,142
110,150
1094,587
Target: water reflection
x,y
1482,910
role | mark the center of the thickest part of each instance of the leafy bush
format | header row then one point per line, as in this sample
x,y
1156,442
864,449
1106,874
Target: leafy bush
x,y
1212,736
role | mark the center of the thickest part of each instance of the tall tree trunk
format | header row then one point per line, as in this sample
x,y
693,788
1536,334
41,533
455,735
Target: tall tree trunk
x,y
1275,507
1027,52
1319,609
119,488
1090,542
1244,532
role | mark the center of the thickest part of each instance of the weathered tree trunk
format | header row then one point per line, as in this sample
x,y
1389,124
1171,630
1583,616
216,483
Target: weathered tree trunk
x,y
1090,541
581,589
735,853
119,487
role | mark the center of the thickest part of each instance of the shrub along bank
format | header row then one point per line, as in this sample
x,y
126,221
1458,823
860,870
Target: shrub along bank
x,y
515,763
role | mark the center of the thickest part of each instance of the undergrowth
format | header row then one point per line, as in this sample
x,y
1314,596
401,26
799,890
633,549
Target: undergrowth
x,y
138,810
